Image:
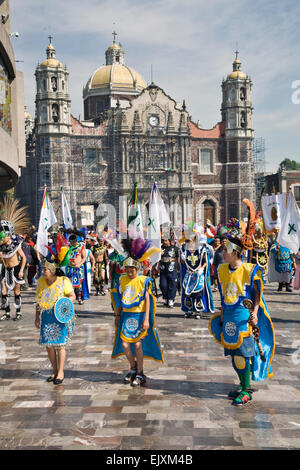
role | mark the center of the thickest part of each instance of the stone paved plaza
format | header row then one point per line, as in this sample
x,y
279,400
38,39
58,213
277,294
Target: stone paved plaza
x,y
184,405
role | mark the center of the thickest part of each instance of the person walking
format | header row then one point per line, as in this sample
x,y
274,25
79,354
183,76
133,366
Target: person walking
x,y
233,328
283,265
53,334
168,266
135,308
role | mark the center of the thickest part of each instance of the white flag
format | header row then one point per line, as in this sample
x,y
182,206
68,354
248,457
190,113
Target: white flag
x,y
66,214
273,209
134,221
157,216
47,219
289,233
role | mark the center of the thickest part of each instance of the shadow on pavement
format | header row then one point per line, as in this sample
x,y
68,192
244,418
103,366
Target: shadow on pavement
x,y
213,390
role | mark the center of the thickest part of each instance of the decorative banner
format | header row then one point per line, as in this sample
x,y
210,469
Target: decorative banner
x,y
158,215
134,222
289,233
66,214
47,219
273,209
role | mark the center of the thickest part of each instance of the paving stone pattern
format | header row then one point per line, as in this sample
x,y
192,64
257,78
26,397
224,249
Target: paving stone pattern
x,y
184,405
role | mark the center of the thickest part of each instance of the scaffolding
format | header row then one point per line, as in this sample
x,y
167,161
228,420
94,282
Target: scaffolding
x,y
259,166
258,152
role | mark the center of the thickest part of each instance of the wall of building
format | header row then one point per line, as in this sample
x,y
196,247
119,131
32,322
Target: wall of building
x,y
12,134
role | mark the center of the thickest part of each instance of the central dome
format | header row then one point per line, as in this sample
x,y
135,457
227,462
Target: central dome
x,y
117,76
111,83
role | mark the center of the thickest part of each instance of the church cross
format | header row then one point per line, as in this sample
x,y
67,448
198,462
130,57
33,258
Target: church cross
x,y
50,39
114,35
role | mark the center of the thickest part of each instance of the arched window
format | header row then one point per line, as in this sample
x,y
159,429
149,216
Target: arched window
x,y
55,112
242,93
243,119
54,83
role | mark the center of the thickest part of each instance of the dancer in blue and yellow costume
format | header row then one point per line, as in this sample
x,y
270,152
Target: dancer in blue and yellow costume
x,y
233,328
135,309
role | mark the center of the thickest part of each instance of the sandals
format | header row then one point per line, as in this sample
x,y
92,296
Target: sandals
x,y
139,380
6,316
131,375
17,317
235,393
242,398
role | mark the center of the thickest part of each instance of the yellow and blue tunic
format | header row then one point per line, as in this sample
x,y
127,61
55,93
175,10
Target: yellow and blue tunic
x,y
235,333
53,333
130,294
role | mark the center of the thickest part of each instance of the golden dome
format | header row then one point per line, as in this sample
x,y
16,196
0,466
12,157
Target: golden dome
x,y
117,76
237,74
51,63
115,46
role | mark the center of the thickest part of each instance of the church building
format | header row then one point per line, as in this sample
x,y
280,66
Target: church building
x,y
131,133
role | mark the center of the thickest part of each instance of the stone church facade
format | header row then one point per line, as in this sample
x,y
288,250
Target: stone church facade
x,y
136,133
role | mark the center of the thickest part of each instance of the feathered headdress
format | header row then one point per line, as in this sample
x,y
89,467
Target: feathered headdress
x,y
251,225
61,252
135,251
241,233
13,219
138,250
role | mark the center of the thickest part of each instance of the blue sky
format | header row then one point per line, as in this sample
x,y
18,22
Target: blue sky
x,y
191,48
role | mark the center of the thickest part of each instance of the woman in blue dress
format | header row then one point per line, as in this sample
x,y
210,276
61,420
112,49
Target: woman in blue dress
x,y
53,334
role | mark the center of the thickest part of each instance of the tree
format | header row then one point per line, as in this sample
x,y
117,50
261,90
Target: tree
x,y
288,164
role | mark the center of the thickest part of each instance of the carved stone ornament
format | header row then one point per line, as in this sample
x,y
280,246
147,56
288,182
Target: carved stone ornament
x,y
153,93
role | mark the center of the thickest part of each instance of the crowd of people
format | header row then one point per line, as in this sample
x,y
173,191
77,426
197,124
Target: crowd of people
x,y
234,259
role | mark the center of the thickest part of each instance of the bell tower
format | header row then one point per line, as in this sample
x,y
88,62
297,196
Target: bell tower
x,y
53,104
53,130
115,53
237,102
237,114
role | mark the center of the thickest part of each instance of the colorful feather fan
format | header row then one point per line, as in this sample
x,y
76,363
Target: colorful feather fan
x,y
139,249
17,216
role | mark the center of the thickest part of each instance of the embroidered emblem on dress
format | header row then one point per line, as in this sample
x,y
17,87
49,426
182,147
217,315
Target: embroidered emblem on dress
x,y
230,328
